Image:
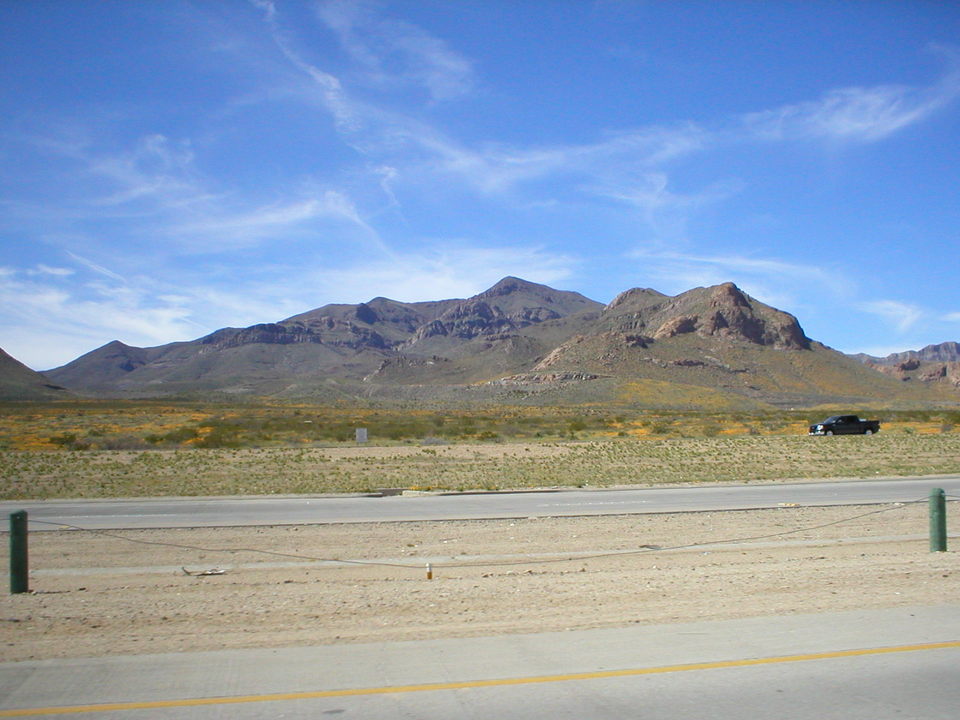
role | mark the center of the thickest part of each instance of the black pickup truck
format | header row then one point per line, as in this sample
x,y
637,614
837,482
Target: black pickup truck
x,y
845,425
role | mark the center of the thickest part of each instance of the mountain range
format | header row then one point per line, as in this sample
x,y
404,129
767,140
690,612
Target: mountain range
x,y
517,343
932,364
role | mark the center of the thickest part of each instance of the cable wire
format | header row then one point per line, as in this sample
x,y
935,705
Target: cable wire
x,y
486,563
705,543
198,548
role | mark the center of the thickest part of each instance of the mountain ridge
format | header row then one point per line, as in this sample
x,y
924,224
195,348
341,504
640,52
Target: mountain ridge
x,y
934,364
517,341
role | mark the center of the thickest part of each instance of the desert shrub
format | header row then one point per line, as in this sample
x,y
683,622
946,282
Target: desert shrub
x,y
123,442
64,440
710,429
219,437
174,437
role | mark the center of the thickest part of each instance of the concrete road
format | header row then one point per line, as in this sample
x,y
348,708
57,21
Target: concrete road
x,y
869,665
264,510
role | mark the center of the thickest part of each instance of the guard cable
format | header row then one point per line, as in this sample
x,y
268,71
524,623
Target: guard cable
x,y
486,563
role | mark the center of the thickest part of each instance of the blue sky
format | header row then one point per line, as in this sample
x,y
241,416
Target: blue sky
x,y
168,168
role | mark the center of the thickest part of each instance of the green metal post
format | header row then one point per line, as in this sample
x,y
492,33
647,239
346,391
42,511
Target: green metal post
x,y
19,566
938,521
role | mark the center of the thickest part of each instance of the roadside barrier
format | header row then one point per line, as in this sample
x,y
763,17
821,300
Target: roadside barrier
x,y
19,563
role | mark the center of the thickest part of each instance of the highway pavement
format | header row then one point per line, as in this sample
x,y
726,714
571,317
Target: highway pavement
x,y
868,664
301,509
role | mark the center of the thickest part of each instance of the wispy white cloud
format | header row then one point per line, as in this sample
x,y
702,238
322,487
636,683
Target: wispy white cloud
x,y
394,53
952,317
83,315
157,169
455,269
249,226
332,94
42,269
663,210
309,217
90,265
629,166
190,211
856,114
419,152
148,176
792,286
739,265
388,175
902,315
654,145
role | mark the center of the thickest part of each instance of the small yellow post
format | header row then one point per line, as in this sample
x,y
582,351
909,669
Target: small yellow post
x,y
429,571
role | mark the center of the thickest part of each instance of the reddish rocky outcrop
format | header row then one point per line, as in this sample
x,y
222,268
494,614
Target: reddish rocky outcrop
x,y
725,312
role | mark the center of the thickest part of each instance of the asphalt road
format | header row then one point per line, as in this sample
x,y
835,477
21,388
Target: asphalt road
x,y
862,665
299,510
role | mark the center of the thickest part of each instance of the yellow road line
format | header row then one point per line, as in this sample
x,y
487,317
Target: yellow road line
x,y
603,674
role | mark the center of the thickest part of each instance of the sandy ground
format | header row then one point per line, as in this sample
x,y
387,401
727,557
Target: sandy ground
x,y
149,591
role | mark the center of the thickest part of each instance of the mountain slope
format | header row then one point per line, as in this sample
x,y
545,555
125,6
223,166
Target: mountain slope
x,y
719,338
18,382
504,329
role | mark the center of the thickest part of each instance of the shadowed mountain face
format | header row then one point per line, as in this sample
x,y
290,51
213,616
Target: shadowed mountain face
x,y
18,382
518,342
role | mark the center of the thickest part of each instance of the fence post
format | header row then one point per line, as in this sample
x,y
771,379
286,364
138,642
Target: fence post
x,y
19,565
938,520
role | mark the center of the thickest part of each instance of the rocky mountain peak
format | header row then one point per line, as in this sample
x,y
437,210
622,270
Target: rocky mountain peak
x,y
721,311
508,306
510,285
635,298
728,295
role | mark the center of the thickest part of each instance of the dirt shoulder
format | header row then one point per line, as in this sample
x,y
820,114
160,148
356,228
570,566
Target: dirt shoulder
x,y
153,591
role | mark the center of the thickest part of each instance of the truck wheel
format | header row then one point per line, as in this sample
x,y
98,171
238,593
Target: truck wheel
x,y
829,432
868,431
